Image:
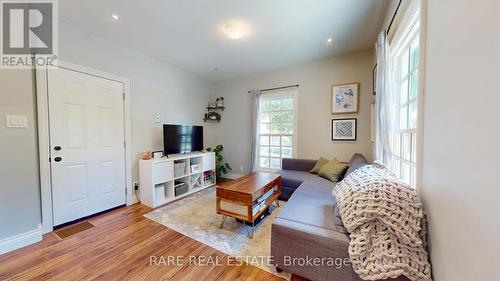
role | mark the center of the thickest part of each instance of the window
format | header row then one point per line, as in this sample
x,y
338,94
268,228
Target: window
x,y
277,128
404,139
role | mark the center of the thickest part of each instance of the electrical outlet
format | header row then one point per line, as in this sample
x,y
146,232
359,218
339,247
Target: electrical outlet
x,y
242,169
157,118
136,186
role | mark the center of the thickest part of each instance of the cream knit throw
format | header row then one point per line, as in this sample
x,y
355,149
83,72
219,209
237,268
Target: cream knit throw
x,y
386,223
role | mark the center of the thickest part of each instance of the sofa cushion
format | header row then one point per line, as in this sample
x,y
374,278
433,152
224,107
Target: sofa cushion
x,y
332,170
293,179
337,220
321,162
311,204
357,161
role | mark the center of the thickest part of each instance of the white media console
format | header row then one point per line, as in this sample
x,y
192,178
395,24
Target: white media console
x,y
167,179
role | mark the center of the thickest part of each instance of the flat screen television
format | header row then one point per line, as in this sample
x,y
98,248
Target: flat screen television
x,y
182,138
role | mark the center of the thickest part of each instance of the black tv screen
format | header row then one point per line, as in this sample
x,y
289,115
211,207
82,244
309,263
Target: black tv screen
x,y
182,138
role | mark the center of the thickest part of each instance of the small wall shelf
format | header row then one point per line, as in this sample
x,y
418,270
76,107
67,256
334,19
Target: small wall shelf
x,y
157,177
215,108
209,119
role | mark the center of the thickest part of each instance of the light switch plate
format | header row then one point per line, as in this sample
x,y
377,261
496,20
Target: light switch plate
x,y
16,121
157,118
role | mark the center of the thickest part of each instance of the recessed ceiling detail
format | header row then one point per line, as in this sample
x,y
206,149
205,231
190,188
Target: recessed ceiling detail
x,y
188,33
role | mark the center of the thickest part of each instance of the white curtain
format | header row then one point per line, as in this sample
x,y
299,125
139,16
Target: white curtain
x,y
386,102
254,129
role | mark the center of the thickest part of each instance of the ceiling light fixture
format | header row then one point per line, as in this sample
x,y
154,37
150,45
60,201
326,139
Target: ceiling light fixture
x,y
115,16
329,40
235,30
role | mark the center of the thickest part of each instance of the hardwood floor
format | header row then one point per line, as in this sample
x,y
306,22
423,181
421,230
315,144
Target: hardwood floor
x,y
119,247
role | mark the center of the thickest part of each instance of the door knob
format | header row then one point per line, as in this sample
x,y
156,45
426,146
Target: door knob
x,y
57,148
58,159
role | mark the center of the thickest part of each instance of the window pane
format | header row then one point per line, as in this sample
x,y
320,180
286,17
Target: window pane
x,y
286,141
413,115
275,104
265,117
287,116
275,163
407,146
286,152
275,152
414,55
396,145
287,103
264,162
404,62
396,166
276,116
413,176
264,105
264,128
403,92
403,118
275,140
275,128
414,148
414,85
264,151
405,173
286,128
264,140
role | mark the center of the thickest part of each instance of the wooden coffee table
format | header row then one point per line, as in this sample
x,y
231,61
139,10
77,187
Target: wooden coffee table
x,y
237,199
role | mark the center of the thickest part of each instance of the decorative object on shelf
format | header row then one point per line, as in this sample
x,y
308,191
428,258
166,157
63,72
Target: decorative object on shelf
x,y
374,80
212,116
344,129
221,168
219,102
146,155
345,98
214,105
158,154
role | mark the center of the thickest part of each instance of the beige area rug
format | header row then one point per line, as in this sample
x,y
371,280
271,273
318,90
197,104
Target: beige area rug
x,y
195,216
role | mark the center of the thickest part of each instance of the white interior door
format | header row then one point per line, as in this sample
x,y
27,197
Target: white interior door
x,y
87,144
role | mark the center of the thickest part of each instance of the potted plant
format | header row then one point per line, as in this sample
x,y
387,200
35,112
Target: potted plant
x,y
221,168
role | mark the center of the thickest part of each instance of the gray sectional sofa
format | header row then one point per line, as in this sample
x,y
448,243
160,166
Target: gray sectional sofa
x,y
308,237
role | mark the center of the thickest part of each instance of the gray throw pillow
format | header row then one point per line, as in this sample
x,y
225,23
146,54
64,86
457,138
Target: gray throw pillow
x,y
357,161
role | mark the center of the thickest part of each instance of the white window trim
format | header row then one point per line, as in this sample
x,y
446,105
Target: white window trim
x,y
416,12
282,93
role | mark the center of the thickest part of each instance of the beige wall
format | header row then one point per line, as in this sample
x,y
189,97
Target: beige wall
x,y
19,185
314,112
461,137
156,87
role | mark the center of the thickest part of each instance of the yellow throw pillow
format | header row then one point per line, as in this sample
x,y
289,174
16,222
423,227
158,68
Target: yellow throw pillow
x,y
321,162
332,170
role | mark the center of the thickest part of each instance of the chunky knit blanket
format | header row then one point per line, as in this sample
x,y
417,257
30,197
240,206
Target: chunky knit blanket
x,y
386,223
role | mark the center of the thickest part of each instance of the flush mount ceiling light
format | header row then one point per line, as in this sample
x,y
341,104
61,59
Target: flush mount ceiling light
x,y
235,30
329,40
115,16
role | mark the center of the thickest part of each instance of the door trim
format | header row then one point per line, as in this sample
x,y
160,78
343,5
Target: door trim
x,y
44,134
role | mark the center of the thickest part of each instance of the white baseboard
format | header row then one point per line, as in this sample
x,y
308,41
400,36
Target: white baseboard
x,y
20,240
232,176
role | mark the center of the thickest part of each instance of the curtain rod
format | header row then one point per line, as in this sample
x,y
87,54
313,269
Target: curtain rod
x,y
393,17
277,88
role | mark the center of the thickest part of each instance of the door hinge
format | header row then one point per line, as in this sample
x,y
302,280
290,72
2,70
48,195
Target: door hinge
x,y
123,96
126,191
124,143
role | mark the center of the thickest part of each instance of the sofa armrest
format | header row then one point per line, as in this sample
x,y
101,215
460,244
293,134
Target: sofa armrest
x,y
304,165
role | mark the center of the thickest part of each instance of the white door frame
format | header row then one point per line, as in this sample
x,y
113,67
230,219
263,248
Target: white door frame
x,y
44,134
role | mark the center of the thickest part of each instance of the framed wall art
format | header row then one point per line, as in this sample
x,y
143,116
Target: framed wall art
x,y
344,129
345,98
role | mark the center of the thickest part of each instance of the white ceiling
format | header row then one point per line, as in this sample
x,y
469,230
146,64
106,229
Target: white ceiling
x,y
186,33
